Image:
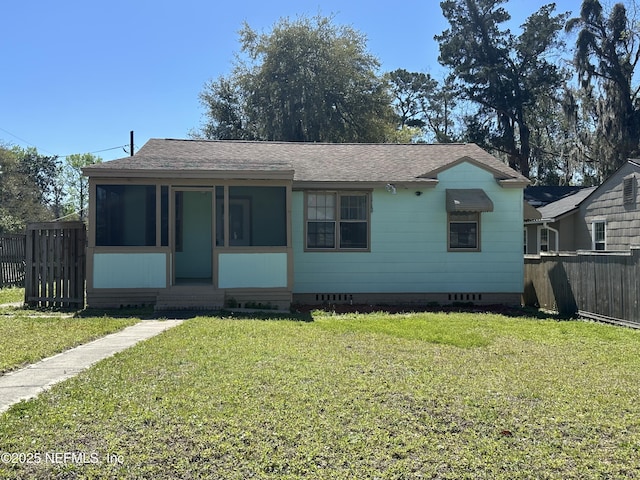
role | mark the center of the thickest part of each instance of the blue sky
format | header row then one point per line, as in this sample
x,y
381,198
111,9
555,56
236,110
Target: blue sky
x,y
79,75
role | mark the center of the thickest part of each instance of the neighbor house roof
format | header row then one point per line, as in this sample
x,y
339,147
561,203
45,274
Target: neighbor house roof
x,y
565,206
304,162
541,195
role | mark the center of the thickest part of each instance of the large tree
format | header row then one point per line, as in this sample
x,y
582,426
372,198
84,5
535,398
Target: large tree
x,y
305,80
420,102
503,74
42,170
607,53
23,189
75,185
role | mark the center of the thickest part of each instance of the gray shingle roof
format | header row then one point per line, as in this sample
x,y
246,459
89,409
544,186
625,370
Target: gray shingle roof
x,y
541,195
310,162
565,205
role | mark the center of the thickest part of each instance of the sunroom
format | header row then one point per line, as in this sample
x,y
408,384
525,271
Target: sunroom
x,y
221,239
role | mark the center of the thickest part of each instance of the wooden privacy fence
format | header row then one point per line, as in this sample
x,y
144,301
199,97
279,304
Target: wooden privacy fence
x,y
12,257
55,264
603,285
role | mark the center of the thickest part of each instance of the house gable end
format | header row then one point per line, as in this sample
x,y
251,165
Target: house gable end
x,y
608,207
503,179
630,169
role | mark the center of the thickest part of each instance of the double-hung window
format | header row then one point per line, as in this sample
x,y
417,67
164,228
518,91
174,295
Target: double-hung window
x,y
544,239
337,221
599,235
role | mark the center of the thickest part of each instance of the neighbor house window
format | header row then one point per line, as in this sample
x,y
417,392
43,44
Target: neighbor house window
x,y
125,215
544,239
337,220
599,234
464,231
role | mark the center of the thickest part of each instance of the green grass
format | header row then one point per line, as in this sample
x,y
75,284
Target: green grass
x,y
11,295
354,396
27,336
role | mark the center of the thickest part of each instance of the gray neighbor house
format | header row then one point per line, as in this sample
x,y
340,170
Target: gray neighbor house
x,y
600,218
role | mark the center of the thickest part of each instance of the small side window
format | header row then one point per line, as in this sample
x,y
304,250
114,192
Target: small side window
x,y
464,231
544,239
599,235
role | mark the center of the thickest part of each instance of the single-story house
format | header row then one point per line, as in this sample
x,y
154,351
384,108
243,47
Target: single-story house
x,y
553,229
606,217
191,223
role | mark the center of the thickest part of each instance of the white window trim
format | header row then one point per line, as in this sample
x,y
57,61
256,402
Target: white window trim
x,y
540,229
550,248
593,233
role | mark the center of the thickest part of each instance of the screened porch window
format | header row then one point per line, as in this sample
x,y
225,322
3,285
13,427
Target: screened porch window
x,y
125,215
257,217
337,221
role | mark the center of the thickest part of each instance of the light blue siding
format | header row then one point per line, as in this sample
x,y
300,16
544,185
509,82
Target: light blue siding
x,y
252,270
129,270
409,244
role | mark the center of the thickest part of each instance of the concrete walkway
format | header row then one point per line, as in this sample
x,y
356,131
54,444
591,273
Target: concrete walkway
x,y
30,381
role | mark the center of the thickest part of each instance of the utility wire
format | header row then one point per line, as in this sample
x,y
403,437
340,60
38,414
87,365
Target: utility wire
x,y
124,147
25,141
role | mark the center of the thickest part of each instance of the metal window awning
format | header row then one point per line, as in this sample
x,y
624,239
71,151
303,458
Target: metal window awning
x,y
468,200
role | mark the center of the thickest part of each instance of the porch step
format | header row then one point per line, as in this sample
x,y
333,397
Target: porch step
x,y
190,298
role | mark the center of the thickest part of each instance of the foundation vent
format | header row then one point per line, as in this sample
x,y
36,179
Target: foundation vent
x,y
334,297
465,297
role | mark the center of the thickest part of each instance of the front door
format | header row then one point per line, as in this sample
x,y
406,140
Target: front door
x,y
193,245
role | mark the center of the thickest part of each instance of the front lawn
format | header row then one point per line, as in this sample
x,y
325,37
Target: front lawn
x,y
27,336
11,295
353,396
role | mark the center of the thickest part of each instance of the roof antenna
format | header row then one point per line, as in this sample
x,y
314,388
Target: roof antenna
x,y
131,143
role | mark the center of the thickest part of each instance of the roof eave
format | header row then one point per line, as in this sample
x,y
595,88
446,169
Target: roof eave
x,y
539,221
351,184
513,182
198,174
557,218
